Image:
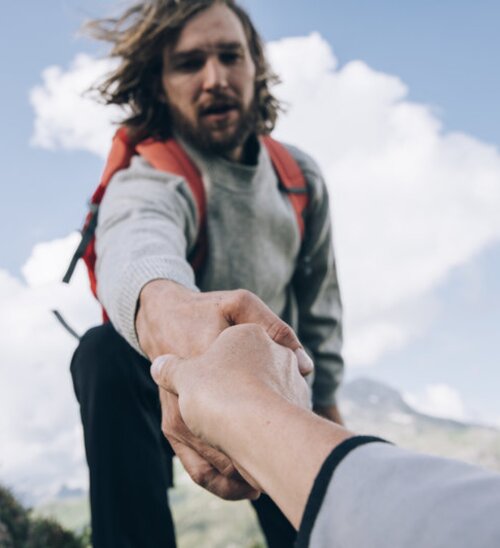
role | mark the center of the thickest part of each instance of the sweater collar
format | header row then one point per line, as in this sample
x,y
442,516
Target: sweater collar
x,y
234,176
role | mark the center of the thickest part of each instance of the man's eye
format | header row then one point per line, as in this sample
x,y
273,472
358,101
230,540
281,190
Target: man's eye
x,y
190,65
229,58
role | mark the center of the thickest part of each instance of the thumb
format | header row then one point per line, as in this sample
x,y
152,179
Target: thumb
x,y
164,371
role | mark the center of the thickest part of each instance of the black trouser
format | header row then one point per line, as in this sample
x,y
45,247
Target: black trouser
x,y
129,459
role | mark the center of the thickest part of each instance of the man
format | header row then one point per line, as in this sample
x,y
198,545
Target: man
x,y
195,70
352,490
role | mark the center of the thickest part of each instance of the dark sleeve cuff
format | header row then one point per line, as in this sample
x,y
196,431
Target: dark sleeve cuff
x,y
322,482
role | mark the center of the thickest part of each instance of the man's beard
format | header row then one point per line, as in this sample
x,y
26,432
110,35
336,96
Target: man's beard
x,y
203,136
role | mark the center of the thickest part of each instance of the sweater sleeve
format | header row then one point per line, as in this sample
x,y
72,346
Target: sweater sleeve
x,y
317,290
147,225
379,495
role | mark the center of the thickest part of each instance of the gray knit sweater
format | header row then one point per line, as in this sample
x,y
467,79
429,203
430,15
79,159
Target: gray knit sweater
x,y
148,224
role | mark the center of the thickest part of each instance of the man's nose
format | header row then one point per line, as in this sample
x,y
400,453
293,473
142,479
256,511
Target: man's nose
x,y
214,74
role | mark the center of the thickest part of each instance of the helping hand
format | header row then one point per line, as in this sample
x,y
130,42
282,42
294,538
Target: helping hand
x,y
243,365
174,320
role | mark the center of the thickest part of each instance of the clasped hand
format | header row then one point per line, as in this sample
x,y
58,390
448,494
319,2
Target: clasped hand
x,y
174,320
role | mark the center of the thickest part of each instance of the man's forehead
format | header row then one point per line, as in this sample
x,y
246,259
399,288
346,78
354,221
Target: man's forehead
x,y
214,28
207,48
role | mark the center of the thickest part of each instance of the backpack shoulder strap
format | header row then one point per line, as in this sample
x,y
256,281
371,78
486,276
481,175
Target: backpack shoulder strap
x,y
119,158
291,178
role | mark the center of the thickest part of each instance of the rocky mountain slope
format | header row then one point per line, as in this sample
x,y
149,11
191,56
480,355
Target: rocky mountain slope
x,y
371,407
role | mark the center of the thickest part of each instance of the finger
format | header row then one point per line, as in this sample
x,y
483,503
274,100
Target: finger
x,y
305,363
221,462
207,477
245,307
164,371
216,458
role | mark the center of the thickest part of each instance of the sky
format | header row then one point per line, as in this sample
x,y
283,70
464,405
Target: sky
x,y
400,105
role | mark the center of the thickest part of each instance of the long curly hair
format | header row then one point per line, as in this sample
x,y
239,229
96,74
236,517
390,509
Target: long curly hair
x,y
138,38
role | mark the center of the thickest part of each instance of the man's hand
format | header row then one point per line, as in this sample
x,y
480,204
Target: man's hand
x,y
174,320
242,368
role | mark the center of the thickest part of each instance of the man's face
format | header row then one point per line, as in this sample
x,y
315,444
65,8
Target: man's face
x,y
209,81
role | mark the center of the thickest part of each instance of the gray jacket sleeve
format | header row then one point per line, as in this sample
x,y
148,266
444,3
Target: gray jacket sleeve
x,y
146,227
317,290
380,495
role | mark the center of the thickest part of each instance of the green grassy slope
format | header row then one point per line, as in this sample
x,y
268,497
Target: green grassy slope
x,y
201,519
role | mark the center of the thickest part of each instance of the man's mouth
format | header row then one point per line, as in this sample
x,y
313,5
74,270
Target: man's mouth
x,y
218,109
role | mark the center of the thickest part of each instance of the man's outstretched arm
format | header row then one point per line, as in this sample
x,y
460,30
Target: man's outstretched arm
x,y
147,225
249,401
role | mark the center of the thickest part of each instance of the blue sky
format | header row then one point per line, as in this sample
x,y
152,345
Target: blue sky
x,y
446,52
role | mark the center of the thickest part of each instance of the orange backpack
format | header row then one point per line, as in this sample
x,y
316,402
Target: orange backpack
x,y
169,156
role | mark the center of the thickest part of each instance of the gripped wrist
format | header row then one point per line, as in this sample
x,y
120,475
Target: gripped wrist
x,y
151,309
156,289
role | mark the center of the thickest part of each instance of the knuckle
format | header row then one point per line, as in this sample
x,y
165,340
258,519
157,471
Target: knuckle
x,y
280,332
242,296
200,477
226,468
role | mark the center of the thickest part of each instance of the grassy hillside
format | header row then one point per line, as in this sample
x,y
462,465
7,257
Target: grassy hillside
x,y
201,519
369,407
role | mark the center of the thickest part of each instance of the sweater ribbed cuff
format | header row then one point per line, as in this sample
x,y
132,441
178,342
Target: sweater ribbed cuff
x,y
134,278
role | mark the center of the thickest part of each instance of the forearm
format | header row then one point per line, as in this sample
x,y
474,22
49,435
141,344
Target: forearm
x,y
146,226
282,446
167,314
120,291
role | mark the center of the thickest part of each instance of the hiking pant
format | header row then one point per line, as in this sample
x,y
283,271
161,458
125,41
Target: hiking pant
x,y
130,461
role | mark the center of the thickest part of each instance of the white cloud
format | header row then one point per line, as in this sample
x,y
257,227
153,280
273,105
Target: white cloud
x,y
410,202
66,115
40,436
439,400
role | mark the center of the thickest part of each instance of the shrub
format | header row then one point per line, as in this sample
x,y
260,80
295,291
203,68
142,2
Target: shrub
x,y
19,529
